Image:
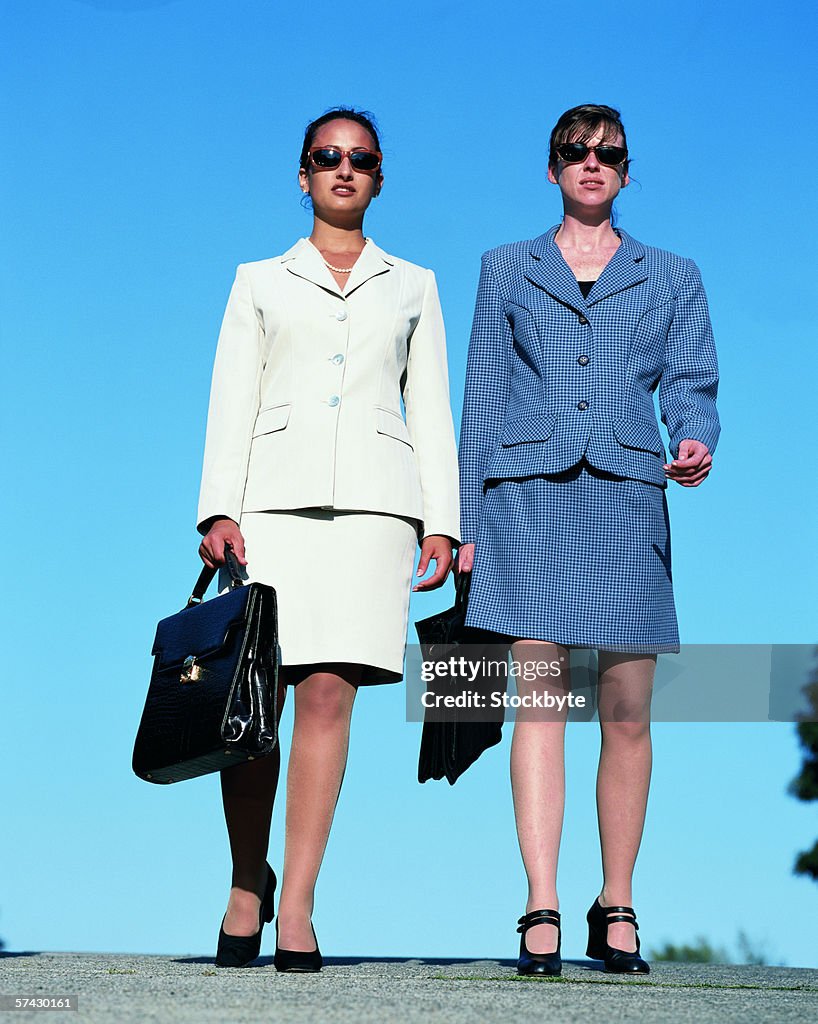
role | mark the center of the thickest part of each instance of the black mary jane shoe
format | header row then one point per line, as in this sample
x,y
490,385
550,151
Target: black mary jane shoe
x,y
296,961
539,963
241,950
617,961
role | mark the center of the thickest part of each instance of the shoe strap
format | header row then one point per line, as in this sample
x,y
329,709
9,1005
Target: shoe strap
x,y
614,914
618,910
622,917
538,917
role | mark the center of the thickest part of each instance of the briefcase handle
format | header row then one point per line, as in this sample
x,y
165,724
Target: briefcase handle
x,y
461,591
207,574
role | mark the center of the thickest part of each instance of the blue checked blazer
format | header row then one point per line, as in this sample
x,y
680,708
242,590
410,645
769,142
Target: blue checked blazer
x,y
553,377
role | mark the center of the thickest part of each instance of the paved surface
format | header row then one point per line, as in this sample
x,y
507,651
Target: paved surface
x,y
358,990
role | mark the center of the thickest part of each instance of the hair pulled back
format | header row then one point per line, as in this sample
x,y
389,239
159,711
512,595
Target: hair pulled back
x,y
579,124
362,117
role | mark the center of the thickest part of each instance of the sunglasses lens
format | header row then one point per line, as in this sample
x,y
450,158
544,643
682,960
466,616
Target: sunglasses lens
x,y
364,161
326,158
611,155
572,152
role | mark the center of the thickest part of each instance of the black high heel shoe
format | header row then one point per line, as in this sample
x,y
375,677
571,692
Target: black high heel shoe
x,y
618,961
241,950
539,963
298,961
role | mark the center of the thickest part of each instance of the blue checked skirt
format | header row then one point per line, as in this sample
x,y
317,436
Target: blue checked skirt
x,y
580,558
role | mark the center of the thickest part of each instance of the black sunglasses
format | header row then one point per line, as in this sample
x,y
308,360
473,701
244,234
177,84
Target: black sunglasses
x,y
575,153
327,158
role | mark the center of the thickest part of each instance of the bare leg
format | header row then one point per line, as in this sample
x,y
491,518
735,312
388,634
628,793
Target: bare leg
x,y
323,708
538,786
248,793
623,780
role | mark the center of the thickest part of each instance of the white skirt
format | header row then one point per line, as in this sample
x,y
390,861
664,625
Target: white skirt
x,y
342,581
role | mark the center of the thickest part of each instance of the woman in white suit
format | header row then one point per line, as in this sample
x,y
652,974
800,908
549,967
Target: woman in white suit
x,y
323,490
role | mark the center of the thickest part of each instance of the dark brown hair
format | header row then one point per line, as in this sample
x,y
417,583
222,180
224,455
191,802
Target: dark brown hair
x,y
579,124
362,117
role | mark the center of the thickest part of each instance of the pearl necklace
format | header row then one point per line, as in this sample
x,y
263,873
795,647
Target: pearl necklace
x,y
338,270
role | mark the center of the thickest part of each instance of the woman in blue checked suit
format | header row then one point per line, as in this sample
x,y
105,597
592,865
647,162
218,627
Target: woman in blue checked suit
x,y
564,519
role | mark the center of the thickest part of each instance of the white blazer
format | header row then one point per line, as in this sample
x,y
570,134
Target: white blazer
x,y
305,404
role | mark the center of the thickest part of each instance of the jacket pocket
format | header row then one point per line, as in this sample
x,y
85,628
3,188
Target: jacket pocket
x,y
272,419
639,434
391,424
527,429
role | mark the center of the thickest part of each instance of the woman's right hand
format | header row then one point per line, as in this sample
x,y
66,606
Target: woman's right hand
x,y
211,550
465,558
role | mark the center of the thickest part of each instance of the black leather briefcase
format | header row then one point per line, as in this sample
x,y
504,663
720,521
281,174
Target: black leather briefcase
x,y
452,743
213,695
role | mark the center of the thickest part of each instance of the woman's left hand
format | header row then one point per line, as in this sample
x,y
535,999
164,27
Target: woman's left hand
x,y
691,465
438,548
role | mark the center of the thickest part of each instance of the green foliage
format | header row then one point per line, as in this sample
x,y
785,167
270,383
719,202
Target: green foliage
x,y
805,785
807,863
700,951
748,953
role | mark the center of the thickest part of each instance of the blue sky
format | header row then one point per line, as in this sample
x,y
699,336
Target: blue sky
x,y
155,147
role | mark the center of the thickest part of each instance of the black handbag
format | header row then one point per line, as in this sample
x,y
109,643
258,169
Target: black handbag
x,y
451,744
213,695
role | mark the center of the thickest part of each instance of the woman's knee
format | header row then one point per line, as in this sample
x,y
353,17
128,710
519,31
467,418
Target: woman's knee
x,y
324,698
626,732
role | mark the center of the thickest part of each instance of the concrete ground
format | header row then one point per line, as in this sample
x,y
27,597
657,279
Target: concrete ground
x,y
359,990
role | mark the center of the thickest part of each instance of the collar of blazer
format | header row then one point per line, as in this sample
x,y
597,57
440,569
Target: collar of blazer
x,y
304,260
548,270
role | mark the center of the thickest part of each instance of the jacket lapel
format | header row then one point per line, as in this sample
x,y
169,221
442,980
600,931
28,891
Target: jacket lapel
x,y
548,270
372,262
626,268
304,260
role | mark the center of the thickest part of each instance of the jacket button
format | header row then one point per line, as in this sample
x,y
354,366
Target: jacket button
x,y
338,359
341,314
583,319
583,360
333,401
582,406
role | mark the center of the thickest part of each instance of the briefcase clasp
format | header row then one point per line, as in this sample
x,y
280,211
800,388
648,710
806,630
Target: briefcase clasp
x,y
191,671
